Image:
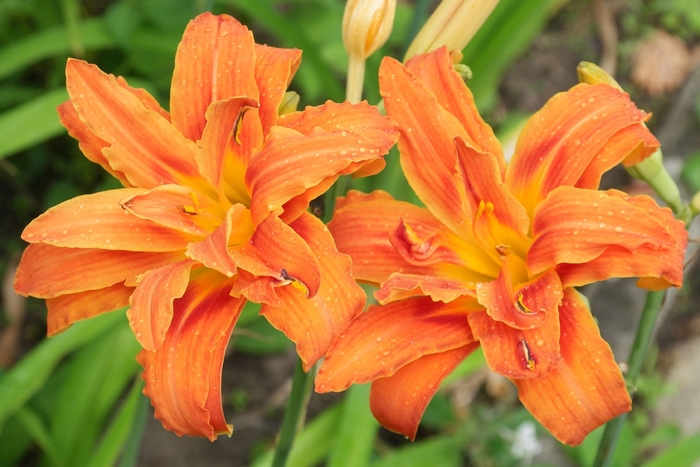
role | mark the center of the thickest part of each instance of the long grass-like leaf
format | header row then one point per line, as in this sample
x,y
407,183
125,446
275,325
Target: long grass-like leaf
x,y
354,437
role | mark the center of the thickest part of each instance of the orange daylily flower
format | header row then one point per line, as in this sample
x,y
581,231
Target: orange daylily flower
x,y
493,258
213,213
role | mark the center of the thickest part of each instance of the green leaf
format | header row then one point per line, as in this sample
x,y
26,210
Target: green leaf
x,y
119,431
31,123
354,436
683,454
37,430
30,373
313,444
691,173
52,42
438,451
260,338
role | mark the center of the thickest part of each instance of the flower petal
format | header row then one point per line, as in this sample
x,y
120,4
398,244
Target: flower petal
x,y
47,271
518,353
274,69
520,305
220,138
143,145
276,250
561,141
89,144
215,61
65,310
427,134
606,234
99,221
445,287
586,389
291,163
436,71
313,323
398,401
385,338
152,302
213,250
183,377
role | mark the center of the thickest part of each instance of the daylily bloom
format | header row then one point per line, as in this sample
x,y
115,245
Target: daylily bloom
x,y
213,213
494,257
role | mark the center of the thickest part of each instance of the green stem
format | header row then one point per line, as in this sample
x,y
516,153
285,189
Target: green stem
x,y
295,412
652,307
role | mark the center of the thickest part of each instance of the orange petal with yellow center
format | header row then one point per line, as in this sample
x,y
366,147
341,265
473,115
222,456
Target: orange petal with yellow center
x,y
142,143
398,401
385,338
427,134
436,71
47,271
212,252
99,221
89,144
152,302
274,69
586,389
561,141
215,61
520,305
276,250
183,377
176,207
221,134
65,310
590,235
291,163
518,353
313,323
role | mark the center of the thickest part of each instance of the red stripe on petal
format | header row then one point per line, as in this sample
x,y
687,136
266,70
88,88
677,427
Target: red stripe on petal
x,y
183,377
398,402
586,389
65,310
152,302
313,323
385,338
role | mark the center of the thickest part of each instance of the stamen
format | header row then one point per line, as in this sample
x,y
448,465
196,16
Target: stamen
x,y
529,357
520,305
238,124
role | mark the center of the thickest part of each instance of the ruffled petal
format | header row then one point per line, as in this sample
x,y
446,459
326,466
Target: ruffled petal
x,y
65,310
276,250
89,144
142,144
606,234
212,252
586,389
152,302
274,69
444,288
176,207
183,377
566,139
385,338
46,271
313,323
215,61
436,71
518,353
99,221
427,134
398,401
291,163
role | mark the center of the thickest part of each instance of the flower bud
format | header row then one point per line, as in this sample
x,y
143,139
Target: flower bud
x,y
289,103
366,27
590,73
453,24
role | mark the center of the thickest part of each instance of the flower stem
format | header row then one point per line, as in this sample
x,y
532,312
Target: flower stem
x,y
295,413
652,307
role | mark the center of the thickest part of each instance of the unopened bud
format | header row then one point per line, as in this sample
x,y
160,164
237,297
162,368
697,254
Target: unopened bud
x,y
366,27
453,24
590,73
289,103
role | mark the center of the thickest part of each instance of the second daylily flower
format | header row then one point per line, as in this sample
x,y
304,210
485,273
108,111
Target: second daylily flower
x,y
493,258
213,213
